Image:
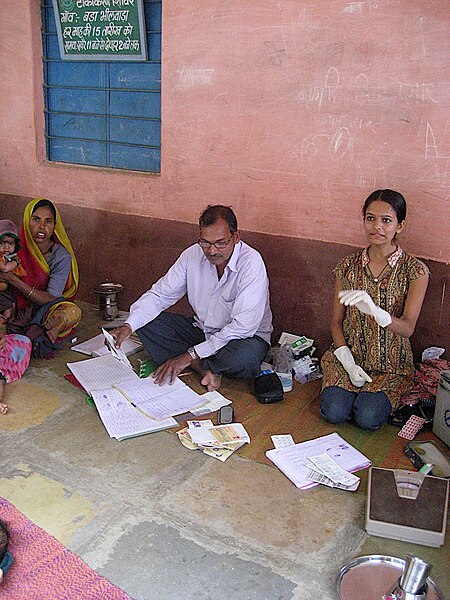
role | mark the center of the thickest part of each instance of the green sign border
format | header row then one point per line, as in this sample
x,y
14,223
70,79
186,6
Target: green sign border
x,y
80,56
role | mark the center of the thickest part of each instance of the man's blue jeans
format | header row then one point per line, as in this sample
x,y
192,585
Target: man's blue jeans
x,y
368,410
170,335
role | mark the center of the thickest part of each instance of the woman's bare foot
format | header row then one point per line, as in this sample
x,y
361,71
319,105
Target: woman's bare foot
x,y
212,381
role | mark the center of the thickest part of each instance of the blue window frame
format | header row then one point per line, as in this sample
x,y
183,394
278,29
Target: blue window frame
x,y
105,114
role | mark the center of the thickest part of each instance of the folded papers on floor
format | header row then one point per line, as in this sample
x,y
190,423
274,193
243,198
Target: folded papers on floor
x,y
219,441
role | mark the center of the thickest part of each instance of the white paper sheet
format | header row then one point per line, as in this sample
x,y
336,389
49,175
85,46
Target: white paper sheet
x,y
328,467
161,401
121,419
293,460
101,373
96,346
213,401
281,441
116,352
220,435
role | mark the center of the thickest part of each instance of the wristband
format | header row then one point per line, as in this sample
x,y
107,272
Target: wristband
x,y
29,293
192,354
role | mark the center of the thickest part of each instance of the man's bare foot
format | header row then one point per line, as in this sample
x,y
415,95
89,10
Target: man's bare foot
x,y
3,408
212,381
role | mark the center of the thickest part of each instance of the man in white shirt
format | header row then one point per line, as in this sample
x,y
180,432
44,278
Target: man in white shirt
x,y
227,287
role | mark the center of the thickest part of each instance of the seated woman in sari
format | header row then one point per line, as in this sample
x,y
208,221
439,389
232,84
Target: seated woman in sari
x,y
45,313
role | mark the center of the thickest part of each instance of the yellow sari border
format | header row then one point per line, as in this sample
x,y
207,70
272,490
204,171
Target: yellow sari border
x,y
61,235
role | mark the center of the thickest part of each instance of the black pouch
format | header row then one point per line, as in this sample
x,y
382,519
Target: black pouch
x,y
268,388
424,408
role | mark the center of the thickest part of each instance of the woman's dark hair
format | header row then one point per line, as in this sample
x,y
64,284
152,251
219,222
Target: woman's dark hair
x,y
3,539
44,203
213,213
395,199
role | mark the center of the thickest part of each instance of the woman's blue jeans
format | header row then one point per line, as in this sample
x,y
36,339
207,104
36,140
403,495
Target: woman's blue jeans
x,y
368,410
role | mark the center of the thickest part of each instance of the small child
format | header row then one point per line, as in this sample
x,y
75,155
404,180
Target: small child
x,y
9,261
6,559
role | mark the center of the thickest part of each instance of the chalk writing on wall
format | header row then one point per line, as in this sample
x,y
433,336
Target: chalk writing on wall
x,y
101,29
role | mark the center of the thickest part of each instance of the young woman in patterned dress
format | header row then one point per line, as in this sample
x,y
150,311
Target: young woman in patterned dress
x,y
378,297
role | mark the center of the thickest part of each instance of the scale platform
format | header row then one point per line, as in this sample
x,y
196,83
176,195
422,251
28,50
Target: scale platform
x,y
407,506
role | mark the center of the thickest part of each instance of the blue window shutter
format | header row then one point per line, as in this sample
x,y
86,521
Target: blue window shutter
x,y
105,114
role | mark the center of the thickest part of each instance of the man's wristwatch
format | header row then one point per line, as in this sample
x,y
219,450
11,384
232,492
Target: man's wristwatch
x,y
191,353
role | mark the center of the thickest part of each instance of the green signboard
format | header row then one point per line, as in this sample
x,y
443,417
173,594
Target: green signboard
x,y
101,29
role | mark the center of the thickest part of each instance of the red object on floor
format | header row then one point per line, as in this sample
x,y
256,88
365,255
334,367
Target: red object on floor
x,y
44,569
72,379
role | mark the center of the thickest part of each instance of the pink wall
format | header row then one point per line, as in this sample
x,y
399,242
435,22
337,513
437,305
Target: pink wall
x,y
293,112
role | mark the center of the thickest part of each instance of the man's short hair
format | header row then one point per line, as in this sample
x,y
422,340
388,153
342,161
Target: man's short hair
x,y
213,213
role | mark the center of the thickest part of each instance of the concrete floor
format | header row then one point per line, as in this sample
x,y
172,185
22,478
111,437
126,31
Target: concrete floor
x,y
164,522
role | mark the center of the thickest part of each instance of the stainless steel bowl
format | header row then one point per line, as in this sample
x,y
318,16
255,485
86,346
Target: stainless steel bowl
x,y
369,577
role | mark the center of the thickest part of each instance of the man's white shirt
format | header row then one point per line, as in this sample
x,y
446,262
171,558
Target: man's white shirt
x,y
236,306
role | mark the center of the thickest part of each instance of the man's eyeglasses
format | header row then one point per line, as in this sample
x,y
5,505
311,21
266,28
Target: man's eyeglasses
x,y
220,245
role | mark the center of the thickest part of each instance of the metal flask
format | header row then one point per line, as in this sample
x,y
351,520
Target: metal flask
x,y
107,298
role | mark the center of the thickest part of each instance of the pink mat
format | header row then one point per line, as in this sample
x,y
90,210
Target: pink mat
x,y
44,569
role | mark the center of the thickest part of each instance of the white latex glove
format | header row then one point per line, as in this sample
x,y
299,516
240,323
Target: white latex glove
x,y
365,304
356,373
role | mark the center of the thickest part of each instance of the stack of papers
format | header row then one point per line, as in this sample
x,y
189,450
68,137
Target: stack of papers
x,y
128,405
219,441
296,461
96,346
212,402
326,471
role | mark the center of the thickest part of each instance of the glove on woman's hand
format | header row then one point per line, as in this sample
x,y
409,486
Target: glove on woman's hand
x,y
356,373
365,304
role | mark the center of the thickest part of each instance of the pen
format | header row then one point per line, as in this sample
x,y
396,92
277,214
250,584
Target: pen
x,y
132,403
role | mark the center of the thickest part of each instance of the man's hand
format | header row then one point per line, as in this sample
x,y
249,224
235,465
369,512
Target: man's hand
x,y
121,334
172,368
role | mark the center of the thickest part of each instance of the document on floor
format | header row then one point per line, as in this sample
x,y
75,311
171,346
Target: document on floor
x,y
212,402
107,378
221,453
122,420
101,373
219,436
160,401
96,346
326,471
294,461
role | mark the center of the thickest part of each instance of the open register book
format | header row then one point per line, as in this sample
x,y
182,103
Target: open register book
x,y
293,460
130,406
